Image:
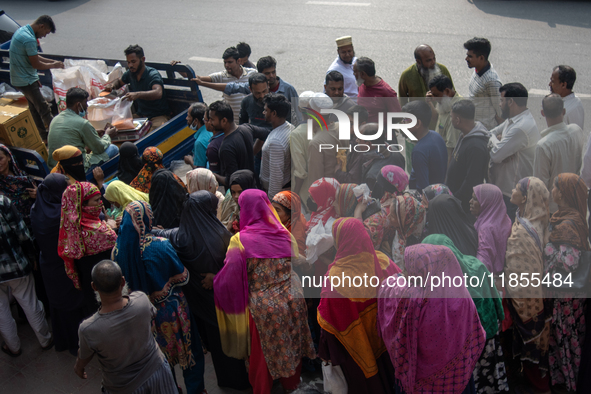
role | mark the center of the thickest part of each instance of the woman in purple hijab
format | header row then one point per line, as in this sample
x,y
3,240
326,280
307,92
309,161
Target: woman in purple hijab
x,y
493,226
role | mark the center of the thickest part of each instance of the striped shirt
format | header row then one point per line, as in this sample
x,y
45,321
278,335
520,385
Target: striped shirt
x,y
484,91
233,99
276,162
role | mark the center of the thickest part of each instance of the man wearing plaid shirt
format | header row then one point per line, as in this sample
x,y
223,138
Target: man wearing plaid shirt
x,y
484,84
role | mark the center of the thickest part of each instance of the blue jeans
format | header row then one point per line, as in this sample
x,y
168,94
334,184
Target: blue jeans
x,y
112,151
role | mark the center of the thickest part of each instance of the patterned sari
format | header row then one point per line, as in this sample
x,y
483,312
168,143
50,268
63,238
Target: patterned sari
x,y
297,223
257,283
150,264
152,158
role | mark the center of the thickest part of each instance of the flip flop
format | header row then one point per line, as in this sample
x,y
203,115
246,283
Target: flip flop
x,y
6,350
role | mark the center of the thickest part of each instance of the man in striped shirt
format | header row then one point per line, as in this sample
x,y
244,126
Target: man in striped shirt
x,y
484,84
234,73
276,163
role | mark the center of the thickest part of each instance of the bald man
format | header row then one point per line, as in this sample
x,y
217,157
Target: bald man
x,y
414,81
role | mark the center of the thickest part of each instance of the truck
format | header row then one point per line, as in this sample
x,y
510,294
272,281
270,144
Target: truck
x,y
174,138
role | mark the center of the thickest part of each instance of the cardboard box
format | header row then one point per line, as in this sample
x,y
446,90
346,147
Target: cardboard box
x,y
17,127
42,150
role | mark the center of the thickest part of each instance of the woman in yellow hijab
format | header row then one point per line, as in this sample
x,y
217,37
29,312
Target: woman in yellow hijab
x,y
120,195
70,163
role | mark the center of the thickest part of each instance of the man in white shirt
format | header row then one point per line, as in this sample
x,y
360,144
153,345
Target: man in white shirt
x,y
512,143
559,149
344,64
234,73
562,81
276,161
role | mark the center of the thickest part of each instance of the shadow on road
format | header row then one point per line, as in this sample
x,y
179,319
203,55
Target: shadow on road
x,y
553,12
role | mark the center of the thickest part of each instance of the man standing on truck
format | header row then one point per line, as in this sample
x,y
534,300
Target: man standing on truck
x,y
24,63
145,87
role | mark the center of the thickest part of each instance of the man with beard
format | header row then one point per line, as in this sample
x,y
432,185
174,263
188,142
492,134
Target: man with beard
x,y
484,83
469,164
562,82
512,143
442,90
24,63
334,86
374,93
344,64
145,87
414,81
251,108
233,72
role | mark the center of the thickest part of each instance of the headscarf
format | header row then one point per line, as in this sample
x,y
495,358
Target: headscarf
x,y
155,278
446,216
569,224
345,200
123,194
201,240
261,236
130,162
167,198
82,233
485,297
47,210
529,235
392,181
69,162
14,187
323,192
433,191
493,226
434,337
347,312
244,178
407,217
152,157
204,179
297,223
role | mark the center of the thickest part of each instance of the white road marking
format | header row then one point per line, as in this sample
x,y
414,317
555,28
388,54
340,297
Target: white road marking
x,y
544,92
338,3
206,59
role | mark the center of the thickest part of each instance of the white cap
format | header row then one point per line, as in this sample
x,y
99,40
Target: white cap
x,y
320,101
304,98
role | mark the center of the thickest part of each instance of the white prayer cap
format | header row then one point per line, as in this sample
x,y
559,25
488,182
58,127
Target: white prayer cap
x,y
320,101
304,98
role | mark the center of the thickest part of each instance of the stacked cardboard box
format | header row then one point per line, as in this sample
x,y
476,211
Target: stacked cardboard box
x,y
17,128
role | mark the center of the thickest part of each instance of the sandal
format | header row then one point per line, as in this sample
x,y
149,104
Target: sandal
x,y
49,346
6,350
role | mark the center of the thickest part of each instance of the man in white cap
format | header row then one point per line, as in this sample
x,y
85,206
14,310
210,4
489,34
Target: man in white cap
x,y
344,64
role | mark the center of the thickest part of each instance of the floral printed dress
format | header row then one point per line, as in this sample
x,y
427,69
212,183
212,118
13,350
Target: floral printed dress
x,y
568,320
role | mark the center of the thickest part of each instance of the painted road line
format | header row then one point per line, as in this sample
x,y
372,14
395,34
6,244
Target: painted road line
x,y
206,59
544,92
338,3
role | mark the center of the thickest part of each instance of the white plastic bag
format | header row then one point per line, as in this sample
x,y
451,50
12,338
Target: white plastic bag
x,y
122,116
9,92
47,93
100,112
362,193
96,80
99,65
319,240
334,379
64,79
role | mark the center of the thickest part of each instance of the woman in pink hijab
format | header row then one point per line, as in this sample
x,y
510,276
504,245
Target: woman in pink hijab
x,y
434,337
493,226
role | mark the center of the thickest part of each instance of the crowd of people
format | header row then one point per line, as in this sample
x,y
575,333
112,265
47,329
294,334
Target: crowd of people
x,y
149,270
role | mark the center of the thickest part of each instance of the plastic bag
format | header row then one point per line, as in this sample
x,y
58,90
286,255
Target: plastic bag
x,y
122,116
334,379
362,193
100,112
99,65
96,80
64,79
319,240
9,92
47,93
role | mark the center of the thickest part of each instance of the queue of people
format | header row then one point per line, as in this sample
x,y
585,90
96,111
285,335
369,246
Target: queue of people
x,y
148,271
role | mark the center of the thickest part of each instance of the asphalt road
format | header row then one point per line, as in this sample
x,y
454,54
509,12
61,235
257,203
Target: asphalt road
x,y
528,37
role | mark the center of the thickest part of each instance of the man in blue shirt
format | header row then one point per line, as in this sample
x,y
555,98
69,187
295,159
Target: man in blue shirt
x,y
24,63
195,120
146,87
429,156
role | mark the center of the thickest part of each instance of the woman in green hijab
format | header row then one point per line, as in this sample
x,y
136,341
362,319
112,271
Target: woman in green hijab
x,y
489,373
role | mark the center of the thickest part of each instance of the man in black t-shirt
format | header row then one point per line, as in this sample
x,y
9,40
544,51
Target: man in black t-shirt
x,y
236,150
